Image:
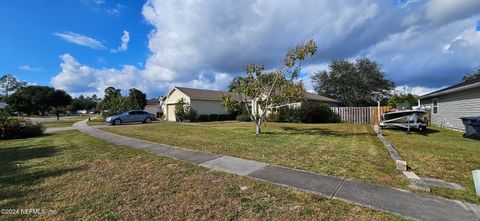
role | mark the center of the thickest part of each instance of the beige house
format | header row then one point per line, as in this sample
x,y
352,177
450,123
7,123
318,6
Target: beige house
x,y
209,101
203,101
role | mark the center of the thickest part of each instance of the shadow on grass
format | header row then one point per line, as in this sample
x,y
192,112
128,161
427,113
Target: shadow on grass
x,y
318,131
18,177
415,131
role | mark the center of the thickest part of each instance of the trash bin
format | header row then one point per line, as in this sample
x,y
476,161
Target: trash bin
x,y
476,181
472,127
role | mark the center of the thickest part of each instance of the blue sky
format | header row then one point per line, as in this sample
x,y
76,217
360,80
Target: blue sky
x,y
83,46
29,40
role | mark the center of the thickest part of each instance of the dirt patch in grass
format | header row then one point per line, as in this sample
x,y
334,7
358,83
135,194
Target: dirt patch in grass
x,y
443,154
345,150
80,177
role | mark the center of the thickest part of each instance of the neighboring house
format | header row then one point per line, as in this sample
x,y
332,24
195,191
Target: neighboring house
x,y
3,105
209,101
202,101
315,97
154,106
449,104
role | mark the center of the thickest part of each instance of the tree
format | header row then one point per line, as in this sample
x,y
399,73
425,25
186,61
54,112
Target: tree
x,y
113,103
82,103
403,97
60,100
260,91
38,99
352,83
231,105
469,77
137,100
183,111
10,83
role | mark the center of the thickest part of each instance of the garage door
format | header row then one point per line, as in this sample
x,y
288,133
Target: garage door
x,y
171,112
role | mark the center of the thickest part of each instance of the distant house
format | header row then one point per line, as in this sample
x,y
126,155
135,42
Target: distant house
x,y
154,106
207,102
449,104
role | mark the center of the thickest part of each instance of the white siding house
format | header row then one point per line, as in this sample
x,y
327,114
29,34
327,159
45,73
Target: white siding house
x,y
449,104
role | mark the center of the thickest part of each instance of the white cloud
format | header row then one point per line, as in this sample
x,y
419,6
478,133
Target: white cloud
x,y
418,90
444,11
29,68
80,39
124,45
99,2
116,10
80,79
422,43
430,57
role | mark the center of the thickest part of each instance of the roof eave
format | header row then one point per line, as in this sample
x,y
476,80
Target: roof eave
x,y
466,87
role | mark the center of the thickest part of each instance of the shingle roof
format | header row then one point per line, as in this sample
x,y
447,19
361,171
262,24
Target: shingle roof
x,y
456,86
153,102
203,94
316,97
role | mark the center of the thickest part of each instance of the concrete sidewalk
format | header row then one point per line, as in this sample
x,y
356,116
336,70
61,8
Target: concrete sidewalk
x,y
58,129
401,202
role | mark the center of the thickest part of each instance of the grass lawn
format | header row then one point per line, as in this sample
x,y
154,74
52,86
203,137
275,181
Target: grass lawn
x,y
96,122
64,122
440,153
83,178
345,150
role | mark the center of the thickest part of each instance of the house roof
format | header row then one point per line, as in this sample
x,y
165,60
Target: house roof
x,y
315,97
203,94
454,88
153,102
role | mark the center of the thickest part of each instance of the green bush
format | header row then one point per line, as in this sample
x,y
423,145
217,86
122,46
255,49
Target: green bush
x,y
289,114
13,128
317,112
203,118
309,112
245,117
191,115
213,117
224,117
159,115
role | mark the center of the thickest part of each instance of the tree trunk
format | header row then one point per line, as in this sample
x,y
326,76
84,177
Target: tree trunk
x,y
58,116
258,128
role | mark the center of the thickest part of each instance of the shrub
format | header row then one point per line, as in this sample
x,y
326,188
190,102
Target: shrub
x,y
245,117
191,114
289,114
317,112
159,115
12,128
223,117
213,117
203,118
309,112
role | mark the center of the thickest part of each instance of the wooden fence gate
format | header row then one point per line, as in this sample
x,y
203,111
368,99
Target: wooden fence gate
x,y
360,115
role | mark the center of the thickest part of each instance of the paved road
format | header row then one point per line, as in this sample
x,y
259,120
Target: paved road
x,y
401,202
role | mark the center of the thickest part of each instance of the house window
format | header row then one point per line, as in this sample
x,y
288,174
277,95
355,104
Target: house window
x,y
435,106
